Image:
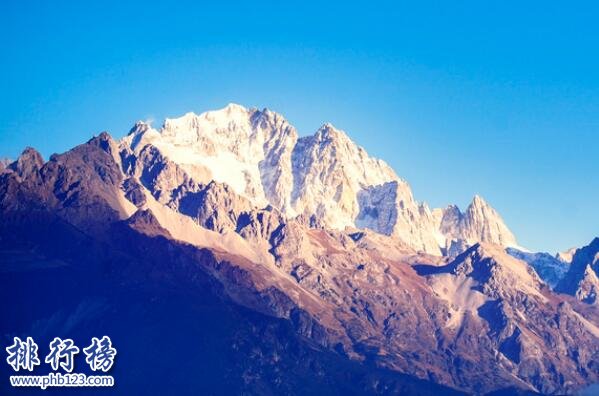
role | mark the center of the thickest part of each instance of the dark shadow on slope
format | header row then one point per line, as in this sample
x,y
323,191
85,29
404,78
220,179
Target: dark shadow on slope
x,y
174,328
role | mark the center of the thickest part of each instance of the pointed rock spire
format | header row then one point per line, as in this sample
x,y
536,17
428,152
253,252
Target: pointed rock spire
x,y
29,163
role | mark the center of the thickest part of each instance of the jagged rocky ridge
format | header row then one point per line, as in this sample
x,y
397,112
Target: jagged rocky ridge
x,y
478,322
582,279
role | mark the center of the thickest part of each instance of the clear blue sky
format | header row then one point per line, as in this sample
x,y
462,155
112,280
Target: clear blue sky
x,y
460,98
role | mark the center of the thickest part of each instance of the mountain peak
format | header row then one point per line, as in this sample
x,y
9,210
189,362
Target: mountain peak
x,y
4,162
328,131
222,118
267,119
103,136
139,127
103,140
478,201
479,223
329,134
234,107
31,153
29,162
232,111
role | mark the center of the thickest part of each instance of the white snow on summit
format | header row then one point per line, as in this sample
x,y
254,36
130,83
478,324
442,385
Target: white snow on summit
x,y
325,177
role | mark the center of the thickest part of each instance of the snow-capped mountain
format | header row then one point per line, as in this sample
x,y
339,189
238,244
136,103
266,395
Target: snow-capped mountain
x,y
292,252
324,177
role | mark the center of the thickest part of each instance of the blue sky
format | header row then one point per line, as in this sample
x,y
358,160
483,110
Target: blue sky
x,y
497,99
